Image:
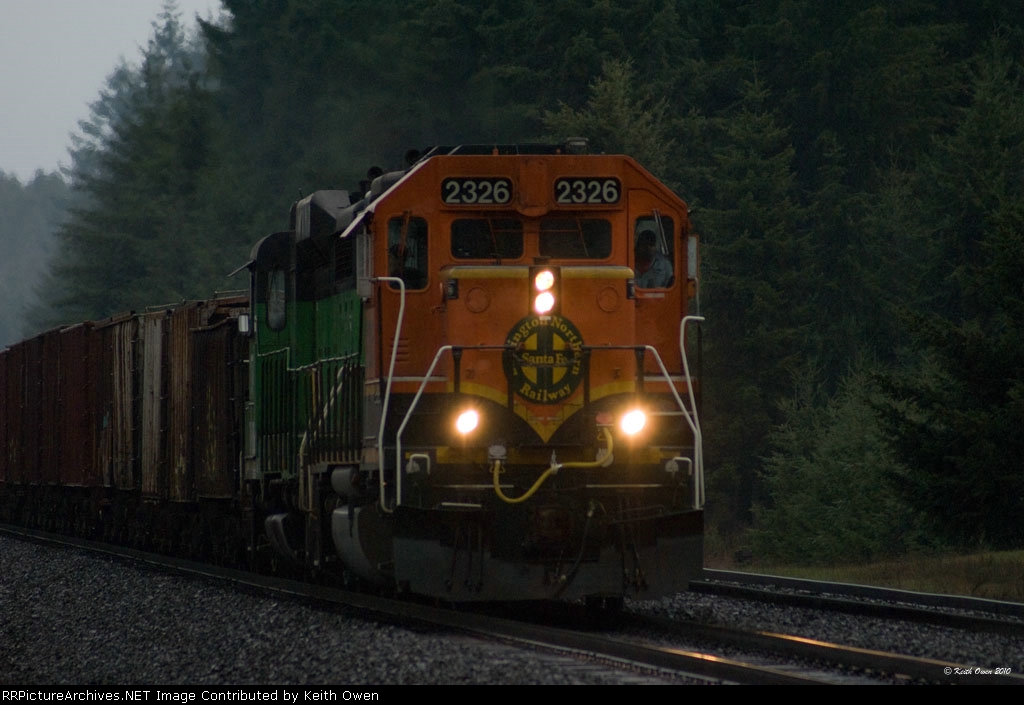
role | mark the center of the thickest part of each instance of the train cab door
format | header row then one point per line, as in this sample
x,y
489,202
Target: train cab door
x,y
404,274
657,256
400,340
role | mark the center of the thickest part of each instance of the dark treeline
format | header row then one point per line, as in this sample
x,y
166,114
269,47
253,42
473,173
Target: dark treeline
x,y
855,168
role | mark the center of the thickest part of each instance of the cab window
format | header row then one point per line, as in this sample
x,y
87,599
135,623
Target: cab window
x,y
652,252
575,238
407,251
277,310
487,238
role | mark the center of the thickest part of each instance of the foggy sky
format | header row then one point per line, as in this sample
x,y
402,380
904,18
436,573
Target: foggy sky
x,y
55,56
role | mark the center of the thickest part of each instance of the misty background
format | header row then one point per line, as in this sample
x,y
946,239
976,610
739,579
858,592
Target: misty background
x,y
855,170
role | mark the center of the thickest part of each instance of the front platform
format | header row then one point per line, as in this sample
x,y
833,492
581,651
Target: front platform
x,y
461,555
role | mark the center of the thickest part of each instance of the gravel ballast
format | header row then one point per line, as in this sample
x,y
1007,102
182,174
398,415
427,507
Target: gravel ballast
x,y
72,618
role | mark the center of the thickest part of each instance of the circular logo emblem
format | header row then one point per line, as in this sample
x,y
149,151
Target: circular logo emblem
x,y
546,364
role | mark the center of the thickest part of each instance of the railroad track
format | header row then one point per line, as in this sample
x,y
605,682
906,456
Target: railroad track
x,y
972,614
837,658
681,652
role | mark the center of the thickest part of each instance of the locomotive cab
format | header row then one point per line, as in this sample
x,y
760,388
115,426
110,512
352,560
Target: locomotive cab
x,y
478,388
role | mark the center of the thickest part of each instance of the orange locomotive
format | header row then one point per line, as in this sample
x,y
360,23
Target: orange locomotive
x,y
528,427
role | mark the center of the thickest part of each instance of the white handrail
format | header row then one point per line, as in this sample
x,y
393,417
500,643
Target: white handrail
x,y
408,415
698,438
387,389
691,420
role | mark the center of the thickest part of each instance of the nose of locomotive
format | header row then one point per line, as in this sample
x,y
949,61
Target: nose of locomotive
x,y
539,339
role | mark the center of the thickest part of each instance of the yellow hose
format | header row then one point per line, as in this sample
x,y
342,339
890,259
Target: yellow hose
x,y
496,470
601,461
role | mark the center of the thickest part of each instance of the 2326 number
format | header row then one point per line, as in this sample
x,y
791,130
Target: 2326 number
x,y
480,191
588,190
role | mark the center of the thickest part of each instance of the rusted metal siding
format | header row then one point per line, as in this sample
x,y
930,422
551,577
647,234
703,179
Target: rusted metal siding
x,y
179,407
50,405
32,410
76,407
218,409
151,403
98,374
116,368
14,400
152,331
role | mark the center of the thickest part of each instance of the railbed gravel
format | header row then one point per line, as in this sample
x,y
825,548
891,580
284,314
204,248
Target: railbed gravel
x,y
72,618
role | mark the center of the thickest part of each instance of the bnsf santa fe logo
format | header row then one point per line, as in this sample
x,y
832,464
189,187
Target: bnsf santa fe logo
x,y
546,362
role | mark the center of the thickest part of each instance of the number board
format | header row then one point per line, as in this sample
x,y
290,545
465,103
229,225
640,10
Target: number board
x,y
586,190
476,191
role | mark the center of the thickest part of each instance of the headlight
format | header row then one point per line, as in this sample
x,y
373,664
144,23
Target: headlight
x,y
633,422
544,303
467,421
544,285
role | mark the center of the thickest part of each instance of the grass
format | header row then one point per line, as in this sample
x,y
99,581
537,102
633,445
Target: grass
x,y
995,575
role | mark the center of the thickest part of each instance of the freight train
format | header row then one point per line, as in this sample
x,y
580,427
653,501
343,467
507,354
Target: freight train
x,y
467,379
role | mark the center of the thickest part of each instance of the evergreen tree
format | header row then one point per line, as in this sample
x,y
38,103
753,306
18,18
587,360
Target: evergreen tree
x,y
828,498
129,241
881,78
956,414
759,277
618,118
